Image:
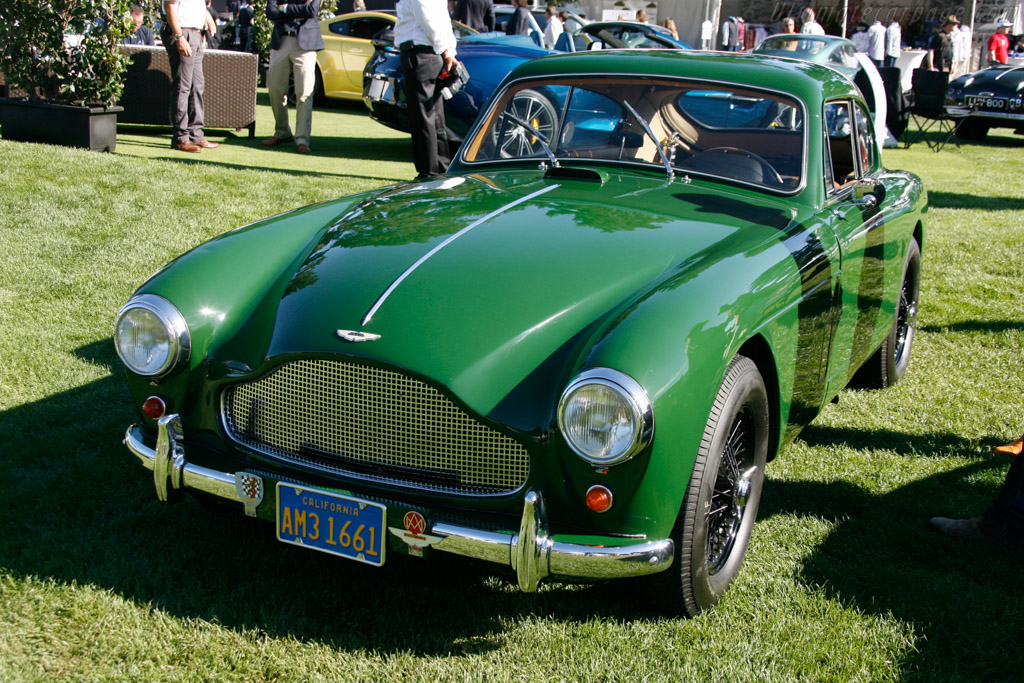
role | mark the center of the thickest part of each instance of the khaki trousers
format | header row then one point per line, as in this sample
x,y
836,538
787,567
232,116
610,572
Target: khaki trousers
x,y
290,58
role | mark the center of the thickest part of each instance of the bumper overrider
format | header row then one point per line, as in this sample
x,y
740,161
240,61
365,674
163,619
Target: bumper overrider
x,y
531,552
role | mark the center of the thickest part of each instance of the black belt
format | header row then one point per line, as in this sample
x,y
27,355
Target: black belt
x,y
409,46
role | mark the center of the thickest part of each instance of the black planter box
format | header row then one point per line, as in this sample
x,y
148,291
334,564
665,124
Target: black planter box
x,y
92,128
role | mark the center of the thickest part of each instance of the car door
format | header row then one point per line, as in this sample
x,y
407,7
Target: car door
x,y
856,210
347,48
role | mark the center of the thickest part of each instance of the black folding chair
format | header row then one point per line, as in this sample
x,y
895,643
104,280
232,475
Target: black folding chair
x,y
929,113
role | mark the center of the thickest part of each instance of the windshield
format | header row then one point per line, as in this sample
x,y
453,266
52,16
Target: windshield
x,y
727,131
793,42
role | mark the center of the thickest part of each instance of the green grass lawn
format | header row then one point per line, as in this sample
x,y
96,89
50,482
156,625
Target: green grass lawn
x,y
843,581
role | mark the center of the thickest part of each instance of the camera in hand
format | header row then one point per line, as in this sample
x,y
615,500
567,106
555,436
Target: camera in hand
x,y
452,82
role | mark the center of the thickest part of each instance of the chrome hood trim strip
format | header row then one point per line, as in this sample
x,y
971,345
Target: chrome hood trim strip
x,y
460,233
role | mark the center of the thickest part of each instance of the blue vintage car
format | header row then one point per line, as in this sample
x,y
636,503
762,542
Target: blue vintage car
x,y
488,57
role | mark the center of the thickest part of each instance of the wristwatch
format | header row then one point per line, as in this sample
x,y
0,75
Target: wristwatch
x,y
176,37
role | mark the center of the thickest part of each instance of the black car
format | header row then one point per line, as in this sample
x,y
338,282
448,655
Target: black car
x,y
995,97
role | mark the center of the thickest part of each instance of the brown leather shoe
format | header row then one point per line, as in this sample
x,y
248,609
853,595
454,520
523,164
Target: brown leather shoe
x,y
974,529
206,144
186,147
274,142
302,148
1011,449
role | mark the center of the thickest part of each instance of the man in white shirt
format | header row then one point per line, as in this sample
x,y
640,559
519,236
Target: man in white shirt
x,y
893,43
554,27
809,25
426,43
860,38
184,39
961,51
876,43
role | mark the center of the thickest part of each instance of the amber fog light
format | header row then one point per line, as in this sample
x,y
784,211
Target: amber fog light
x,y
599,498
154,408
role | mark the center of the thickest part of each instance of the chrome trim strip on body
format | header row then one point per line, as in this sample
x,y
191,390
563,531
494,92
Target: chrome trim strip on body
x,y
452,238
531,552
986,114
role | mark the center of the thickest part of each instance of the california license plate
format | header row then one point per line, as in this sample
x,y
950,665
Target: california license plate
x,y
331,523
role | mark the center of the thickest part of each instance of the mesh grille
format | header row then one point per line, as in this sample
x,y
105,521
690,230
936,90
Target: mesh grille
x,y
373,424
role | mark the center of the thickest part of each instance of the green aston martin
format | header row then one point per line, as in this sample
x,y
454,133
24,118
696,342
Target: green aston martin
x,y
573,355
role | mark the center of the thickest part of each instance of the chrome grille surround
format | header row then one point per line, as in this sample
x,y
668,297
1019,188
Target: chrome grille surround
x,y
372,424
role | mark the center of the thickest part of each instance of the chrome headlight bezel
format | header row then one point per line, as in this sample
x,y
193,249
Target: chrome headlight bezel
x,y
175,328
632,395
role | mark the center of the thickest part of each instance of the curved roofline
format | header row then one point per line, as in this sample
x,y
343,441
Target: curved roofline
x,y
810,82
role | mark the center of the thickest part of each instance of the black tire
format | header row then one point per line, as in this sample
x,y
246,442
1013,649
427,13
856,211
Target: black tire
x,y
889,363
536,109
972,130
720,505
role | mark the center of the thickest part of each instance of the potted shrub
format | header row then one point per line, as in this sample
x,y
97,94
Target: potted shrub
x,y
61,56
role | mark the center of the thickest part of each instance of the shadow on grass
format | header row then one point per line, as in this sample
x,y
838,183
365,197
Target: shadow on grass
x,y
989,326
78,511
194,160
881,557
952,200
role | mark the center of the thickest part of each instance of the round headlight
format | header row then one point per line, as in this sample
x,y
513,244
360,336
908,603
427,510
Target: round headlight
x,y
605,416
151,336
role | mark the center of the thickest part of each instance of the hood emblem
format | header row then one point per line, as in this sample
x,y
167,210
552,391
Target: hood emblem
x,y
357,336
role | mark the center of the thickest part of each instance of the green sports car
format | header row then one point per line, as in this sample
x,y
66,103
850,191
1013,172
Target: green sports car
x,y
573,355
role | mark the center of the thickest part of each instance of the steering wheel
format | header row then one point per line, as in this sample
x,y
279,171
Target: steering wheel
x,y
768,168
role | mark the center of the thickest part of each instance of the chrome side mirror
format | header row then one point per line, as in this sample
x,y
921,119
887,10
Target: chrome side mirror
x,y
867,193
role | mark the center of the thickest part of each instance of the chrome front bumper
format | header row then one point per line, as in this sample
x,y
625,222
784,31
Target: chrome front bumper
x,y
531,552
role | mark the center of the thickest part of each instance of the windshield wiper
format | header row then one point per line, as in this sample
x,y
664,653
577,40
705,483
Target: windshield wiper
x,y
650,134
541,138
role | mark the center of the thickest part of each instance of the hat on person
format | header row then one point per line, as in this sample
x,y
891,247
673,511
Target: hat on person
x,y
1004,23
952,20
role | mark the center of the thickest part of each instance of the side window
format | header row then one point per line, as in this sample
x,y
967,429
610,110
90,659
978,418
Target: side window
x,y
367,28
341,28
841,164
867,150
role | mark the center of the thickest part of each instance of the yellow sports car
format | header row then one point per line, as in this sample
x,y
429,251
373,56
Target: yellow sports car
x,y
348,46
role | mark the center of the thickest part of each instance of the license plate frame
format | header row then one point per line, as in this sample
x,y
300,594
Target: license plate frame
x,y
990,103
331,523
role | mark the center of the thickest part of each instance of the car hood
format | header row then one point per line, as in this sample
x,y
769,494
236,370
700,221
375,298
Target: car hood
x,y
999,79
473,282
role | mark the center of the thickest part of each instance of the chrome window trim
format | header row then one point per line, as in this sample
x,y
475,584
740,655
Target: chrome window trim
x,y
649,166
174,324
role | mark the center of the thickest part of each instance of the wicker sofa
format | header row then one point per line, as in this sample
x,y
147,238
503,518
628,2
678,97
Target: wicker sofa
x,y
229,99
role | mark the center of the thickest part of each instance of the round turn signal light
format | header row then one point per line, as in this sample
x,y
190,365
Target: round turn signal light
x,y
599,498
154,408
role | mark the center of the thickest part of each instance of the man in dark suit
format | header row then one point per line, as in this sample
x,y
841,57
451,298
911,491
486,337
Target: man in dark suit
x,y
293,47
478,14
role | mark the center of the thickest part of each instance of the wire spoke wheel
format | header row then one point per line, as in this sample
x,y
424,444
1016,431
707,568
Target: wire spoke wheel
x,y
722,494
731,490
